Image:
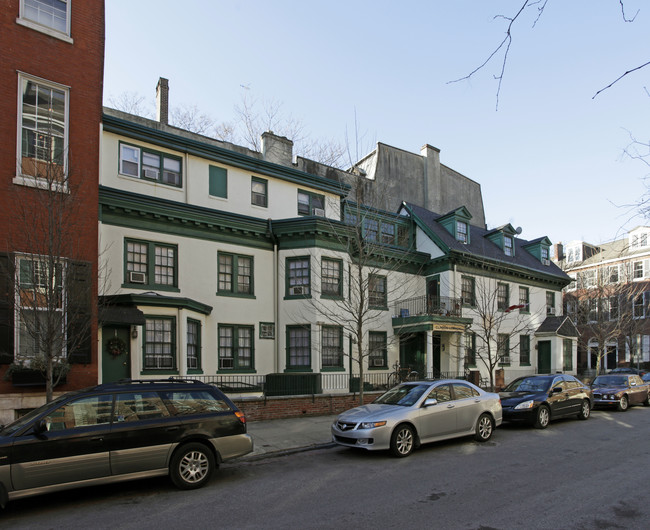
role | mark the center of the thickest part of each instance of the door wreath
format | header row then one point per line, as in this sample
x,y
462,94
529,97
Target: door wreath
x,y
116,346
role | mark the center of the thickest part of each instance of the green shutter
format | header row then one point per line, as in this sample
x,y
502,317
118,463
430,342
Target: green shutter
x,y
218,182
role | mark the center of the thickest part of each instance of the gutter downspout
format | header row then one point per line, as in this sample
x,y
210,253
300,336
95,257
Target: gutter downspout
x,y
276,298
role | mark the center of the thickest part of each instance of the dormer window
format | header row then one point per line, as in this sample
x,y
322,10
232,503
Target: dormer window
x,y
508,246
545,256
461,232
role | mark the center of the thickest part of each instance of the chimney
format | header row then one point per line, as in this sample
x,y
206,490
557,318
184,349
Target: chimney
x,y
559,251
277,149
162,100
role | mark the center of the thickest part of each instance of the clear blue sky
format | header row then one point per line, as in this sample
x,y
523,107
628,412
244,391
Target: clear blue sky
x,y
548,160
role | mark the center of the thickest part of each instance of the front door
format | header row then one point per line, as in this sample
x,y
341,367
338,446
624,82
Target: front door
x,y
412,353
116,353
544,357
433,296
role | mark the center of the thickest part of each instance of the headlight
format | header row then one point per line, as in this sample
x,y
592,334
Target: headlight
x,y
371,424
525,405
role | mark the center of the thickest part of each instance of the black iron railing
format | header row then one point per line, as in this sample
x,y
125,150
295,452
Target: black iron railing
x,y
428,305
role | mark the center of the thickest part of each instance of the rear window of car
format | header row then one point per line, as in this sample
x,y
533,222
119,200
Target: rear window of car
x,y
187,402
464,392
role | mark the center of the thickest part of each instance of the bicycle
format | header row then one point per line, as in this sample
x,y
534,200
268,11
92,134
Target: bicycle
x,y
399,375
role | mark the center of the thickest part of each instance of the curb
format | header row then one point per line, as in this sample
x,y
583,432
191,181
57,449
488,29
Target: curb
x,y
285,452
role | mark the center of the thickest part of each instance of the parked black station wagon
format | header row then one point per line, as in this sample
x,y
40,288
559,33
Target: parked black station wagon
x,y
121,431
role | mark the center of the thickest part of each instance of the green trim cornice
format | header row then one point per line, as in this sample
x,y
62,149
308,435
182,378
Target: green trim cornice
x,y
221,155
156,300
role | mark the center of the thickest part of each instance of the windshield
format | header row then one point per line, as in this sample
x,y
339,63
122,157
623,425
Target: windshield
x,y
529,384
24,420
613,380
403,395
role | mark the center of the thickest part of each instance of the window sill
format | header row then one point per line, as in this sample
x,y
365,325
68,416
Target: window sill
x,y
332,369
378,308
44,29
235,371
298,297
40,183
331,297
524,364
171,371
143,287
195,372
299,369
377,368
235,295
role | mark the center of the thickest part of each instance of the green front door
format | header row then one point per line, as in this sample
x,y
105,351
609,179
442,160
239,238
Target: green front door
x,y
412,353
116,354
544,357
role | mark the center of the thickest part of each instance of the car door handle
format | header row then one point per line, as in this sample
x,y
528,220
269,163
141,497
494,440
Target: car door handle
x,y
451,406
170,429
97,439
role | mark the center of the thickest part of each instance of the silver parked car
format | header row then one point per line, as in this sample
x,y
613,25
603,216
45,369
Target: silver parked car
x,y
418,412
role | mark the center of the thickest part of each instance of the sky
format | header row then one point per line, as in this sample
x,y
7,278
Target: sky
x,y
549,156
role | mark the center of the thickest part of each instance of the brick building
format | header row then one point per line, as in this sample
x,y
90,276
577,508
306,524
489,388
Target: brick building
x,y
51,77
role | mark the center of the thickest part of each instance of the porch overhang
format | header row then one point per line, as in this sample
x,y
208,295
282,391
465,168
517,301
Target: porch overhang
x,y
416,324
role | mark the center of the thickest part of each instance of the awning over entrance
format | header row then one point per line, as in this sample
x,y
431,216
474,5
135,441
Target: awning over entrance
x,y
127,315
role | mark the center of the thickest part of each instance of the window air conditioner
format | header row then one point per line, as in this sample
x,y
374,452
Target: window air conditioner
x,y
378,362
504,360
298,289
150,173
320,212
137,277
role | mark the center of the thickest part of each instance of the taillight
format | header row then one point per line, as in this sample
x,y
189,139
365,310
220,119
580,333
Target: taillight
x,y
240,416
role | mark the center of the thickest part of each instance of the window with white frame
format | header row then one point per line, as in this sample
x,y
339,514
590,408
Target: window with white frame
x,y
508,246
39,304
43,129
160,343
612,274
640,304
637,270
461,232
52,14
150,165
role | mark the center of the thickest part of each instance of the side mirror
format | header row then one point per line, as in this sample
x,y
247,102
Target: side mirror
x,y
40,426
430,402
556,390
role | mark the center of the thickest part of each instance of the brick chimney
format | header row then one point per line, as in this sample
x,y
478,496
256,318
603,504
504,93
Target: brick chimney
x,y
162,101
558,251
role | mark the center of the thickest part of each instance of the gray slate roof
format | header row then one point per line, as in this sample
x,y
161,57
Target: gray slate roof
x,y
481,247
561,325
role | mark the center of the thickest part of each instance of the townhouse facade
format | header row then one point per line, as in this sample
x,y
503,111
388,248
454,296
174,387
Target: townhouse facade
x,y
235,266
51,71
609,299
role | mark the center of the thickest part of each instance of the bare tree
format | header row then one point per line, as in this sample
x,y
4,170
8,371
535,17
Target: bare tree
x,y
53,285
496,324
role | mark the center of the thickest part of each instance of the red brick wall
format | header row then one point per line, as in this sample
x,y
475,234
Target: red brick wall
x,y
80,66
274,408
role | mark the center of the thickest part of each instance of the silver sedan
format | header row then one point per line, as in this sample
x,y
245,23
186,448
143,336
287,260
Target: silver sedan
x,y
419,412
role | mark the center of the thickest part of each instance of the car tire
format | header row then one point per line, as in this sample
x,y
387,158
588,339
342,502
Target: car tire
x,y
623,404
542,417
484,428
402,441
191,466
646,402
585,410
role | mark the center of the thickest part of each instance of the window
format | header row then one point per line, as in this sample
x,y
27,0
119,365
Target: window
x,y
613,274
139,406
218,182
331,277
189,402
83,412
568,355
524,350
461,232
638,270
503,348
464,392
377,292
160,343
311,204
468,295
298,348
378,352
150,165
332,347
503,296
550,303
370,230
639,304
259,192
150,264
235,348
388,233
43,120
470,349
508,246
441,393
235,274
592,310
193,345
545,256
51,14
524,299
267,330
613,307
40,305
298,277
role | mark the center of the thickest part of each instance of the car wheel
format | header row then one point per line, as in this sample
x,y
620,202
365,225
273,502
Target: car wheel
x,y
585,410
623,404
542,418
402,441
646,403
484,428
191,466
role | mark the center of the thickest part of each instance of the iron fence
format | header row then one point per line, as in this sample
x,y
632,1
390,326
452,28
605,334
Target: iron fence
x,y
428,305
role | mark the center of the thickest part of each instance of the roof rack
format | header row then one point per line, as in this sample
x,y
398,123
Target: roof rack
x,y
168,380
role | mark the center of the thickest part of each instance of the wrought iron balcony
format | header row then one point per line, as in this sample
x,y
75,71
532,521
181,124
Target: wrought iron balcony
x,y
428,305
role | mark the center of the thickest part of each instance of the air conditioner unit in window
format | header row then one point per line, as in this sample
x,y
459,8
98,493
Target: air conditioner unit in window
x,y
137,277
504,360
150,173
258,200
320,212
378,362
550,310
298,289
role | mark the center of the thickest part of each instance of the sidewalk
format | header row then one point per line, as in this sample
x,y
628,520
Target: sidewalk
x,y
276,437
